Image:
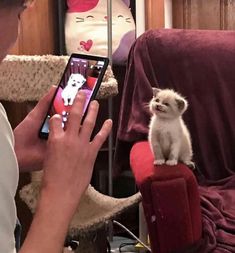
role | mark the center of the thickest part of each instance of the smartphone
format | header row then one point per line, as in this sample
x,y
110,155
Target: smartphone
x,y
83,72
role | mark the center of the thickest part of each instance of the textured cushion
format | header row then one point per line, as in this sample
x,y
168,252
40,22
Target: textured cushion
x,y
170,200
94,210
28,78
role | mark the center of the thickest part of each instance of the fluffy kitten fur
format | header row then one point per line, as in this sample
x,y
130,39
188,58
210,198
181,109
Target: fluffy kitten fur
x,y
169,137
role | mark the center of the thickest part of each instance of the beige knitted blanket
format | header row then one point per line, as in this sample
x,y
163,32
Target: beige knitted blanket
x,y
28,78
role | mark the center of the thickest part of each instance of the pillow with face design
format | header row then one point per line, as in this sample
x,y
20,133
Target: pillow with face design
x,y
86,28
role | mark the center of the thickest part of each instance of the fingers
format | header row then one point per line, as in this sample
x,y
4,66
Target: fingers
x,y
42,106
55,125
90,120
76,113
102,135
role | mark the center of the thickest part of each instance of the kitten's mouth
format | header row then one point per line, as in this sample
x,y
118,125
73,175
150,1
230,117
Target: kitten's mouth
x,y
159,109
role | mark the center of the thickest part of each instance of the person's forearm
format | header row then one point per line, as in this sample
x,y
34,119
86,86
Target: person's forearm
x,y
49,227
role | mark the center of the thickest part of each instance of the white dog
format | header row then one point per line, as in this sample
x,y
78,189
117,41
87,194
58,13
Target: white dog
x,y
74,84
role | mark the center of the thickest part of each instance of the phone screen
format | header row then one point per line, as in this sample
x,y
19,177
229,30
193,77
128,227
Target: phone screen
x,y
83,72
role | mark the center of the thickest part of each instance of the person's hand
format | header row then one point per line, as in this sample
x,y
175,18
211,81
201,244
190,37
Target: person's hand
x,y
67,168
30,149
71,154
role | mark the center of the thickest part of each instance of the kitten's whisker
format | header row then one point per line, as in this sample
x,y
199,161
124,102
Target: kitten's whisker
x,y
146,105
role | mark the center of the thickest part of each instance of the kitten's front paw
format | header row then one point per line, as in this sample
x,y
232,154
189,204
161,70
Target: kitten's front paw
x,y
190,164
159,162
171,162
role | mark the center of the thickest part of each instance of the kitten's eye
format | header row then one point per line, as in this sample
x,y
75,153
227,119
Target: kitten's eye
x,y
166,104
128,20
120,16
79,19
157,100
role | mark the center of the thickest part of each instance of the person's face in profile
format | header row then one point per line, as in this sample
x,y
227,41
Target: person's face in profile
x,y
9,27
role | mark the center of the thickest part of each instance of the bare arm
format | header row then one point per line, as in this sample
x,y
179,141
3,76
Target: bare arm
x,y
67,168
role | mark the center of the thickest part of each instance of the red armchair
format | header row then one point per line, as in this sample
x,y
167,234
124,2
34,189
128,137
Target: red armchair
x,y
185,211
170,201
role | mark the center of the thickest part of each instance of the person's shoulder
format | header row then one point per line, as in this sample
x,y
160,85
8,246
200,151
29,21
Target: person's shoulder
x,y
5,127
2,110
3,118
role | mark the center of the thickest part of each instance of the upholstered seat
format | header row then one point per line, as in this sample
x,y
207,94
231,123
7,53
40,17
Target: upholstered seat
x,y
200,66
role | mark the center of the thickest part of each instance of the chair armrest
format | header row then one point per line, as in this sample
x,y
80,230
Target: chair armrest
x,y
170,199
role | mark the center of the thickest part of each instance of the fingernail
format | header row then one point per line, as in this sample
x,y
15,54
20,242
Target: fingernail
x,y
95,102
109,122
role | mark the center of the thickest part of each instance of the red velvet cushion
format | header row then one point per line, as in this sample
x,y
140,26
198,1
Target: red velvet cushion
x,y
170,200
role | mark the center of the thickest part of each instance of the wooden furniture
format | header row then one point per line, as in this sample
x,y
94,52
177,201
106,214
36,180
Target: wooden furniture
x,y
192,14
154,13
38,29
199,14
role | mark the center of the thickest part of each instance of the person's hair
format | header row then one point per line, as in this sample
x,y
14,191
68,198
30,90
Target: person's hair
x,y
10,3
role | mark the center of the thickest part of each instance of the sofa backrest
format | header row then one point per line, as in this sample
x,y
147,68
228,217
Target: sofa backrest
x,y
199,64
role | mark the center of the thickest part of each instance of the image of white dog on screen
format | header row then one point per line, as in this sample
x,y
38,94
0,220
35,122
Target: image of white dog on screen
x,y
74,84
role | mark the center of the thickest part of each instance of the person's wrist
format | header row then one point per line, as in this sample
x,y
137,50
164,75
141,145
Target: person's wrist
x,y
59,199
51,222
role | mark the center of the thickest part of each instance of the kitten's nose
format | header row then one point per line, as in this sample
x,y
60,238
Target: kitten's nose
x,y
159,107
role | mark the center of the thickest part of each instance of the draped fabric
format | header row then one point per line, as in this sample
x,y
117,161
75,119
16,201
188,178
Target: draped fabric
x,y
200,65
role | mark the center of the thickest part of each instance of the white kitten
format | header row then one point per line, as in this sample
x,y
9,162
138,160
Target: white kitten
x,y
74,84
169,137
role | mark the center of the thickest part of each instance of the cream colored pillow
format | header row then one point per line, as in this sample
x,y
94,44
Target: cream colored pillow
x,y
86,28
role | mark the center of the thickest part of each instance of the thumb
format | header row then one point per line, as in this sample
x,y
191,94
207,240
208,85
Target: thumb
x,y
42,106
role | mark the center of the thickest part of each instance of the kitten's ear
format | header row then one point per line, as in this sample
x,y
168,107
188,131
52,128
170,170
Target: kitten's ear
x,y
155,91
182,104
